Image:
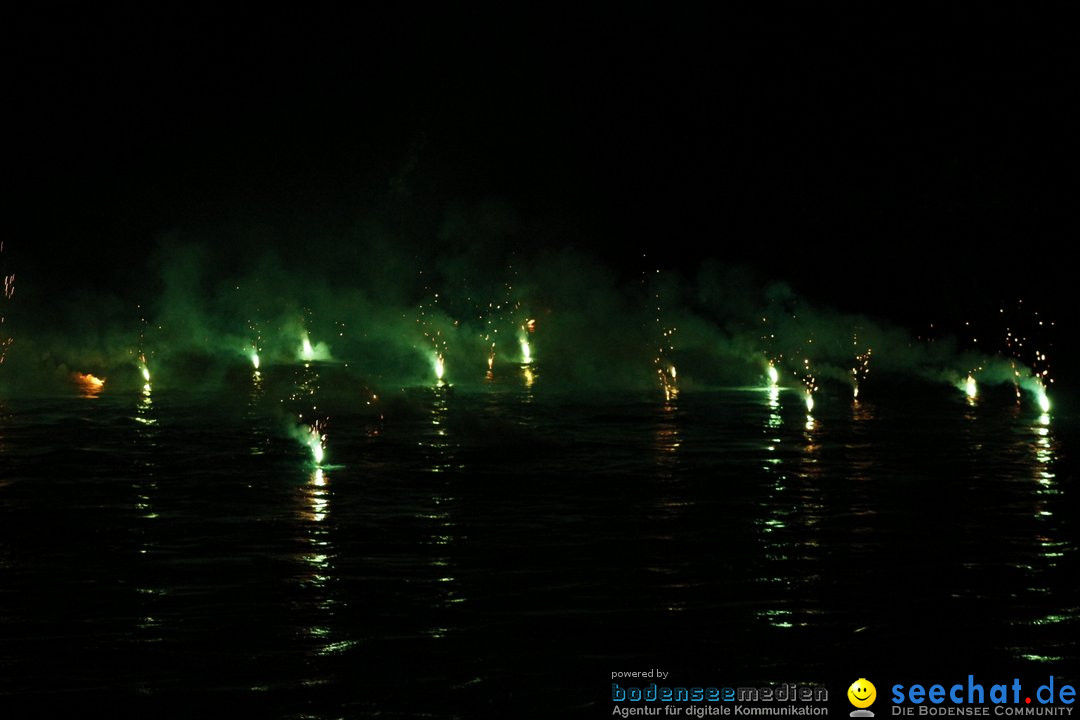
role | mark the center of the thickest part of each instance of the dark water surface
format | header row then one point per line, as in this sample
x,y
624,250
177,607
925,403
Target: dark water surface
x,y
494,553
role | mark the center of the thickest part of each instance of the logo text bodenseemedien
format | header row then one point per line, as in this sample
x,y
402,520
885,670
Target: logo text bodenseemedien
x,y
789,692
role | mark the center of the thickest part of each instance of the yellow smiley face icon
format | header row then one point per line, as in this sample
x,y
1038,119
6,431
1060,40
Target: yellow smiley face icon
x,y
862,693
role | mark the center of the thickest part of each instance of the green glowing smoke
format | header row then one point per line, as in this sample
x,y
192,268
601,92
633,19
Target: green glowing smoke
x,y
214,306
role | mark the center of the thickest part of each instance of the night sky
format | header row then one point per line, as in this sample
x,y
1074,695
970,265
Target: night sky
x,y
906,167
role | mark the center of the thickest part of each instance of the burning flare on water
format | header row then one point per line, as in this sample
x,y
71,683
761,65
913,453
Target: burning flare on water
x,y
89,385
811,384
860,371
1042,399
144,369
316,442
668,381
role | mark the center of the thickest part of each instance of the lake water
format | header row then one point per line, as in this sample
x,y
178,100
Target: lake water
x,y
499,553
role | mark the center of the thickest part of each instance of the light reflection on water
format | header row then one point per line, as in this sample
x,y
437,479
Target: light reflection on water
x,y
145,486
437,530
773,527
318,573
147,434
673,501
527,535
1050,550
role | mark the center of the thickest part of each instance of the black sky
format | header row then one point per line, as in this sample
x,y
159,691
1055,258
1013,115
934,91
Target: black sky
x,y
888,163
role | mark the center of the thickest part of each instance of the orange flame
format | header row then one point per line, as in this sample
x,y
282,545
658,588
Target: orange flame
x,y
90,386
